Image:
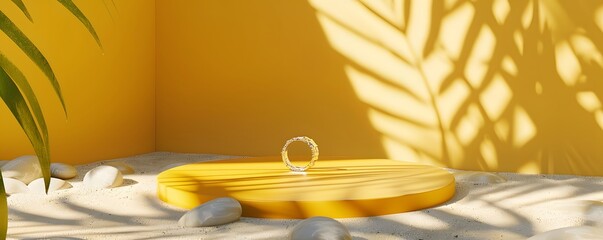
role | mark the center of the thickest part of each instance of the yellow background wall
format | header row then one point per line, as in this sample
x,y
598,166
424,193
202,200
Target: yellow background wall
x,y
484,85
109,92
242,77
490,85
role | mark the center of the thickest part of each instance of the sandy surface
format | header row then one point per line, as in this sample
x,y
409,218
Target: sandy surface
x,y
517,209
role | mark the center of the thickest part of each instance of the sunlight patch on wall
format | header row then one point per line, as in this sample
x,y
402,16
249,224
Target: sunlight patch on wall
x,y
354,18
599,17
451,100
556,18
585,48
452,82
509,66
418,24
469,126
567,62
502,130
524,128
391,11
518,38
528,15
501,9
529,168
399,151
599,118
436,67
384,96
374,58
495,98
455,148
589,101
412,135
489,155
455,27
477,65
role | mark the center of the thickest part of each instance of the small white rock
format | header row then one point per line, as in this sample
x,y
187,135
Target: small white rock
x,y
24,168
215,212
124,168
478,177
320,228
37,186
12,186
62,171
103,177
571,233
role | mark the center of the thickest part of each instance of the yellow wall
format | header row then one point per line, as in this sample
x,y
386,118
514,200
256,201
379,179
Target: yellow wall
x,y
109,93
485,85
490,85
242,77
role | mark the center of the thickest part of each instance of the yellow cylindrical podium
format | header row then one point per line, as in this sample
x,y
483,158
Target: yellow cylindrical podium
x,y
337,188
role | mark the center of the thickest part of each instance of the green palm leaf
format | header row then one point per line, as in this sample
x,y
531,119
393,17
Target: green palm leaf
x,y
3,210
21,6
21,82
14,100
18,37
80,16
16,103
19,97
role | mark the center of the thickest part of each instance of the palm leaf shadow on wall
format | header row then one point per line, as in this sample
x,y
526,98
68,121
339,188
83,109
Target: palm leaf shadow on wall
x,y
487,85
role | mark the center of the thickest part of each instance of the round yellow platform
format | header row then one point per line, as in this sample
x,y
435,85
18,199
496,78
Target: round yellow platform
x,y
335,188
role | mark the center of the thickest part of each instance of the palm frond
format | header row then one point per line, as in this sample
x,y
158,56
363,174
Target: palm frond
x,y
21,6
21,82
18,37
69,5
19,97
3,210
16,103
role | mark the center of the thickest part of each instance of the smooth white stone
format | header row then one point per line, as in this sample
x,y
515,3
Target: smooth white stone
x,y
215,212
571,233
62,171
24,168
478,177
12,186
103,177
37,186
124,168
320,228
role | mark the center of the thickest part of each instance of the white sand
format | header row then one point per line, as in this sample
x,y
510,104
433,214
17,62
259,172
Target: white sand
x,y
517,209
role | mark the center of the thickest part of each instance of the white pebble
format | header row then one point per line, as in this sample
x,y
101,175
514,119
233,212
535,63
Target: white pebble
x,y
320,228
103,177
215,212
124,168
24,168
571,233
62,171
37,186
12,186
